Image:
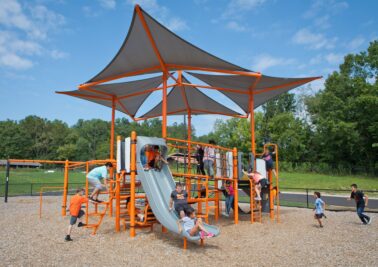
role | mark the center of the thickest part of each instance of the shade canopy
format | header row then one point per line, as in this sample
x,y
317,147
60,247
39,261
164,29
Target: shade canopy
x,y
186,99
263,88
150,47
128,96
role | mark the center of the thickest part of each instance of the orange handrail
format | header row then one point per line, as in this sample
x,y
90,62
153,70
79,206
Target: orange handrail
x,y
197,143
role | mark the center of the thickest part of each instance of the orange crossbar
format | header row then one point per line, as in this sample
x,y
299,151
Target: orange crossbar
x,y
197,143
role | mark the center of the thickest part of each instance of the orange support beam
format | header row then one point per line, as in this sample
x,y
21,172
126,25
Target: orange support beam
x,y
132,183
164,111
235,177
65,188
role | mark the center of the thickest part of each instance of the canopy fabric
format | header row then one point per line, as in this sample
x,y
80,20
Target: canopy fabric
x,y
129,96
264,89
188,99
137,51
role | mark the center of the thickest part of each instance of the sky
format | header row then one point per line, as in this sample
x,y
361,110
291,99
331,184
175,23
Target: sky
x,y
48,46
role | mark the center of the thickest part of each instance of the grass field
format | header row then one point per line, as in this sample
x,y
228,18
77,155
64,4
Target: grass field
x,y
27,181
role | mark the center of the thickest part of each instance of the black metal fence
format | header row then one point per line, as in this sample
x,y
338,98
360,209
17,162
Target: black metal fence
x,y
33,189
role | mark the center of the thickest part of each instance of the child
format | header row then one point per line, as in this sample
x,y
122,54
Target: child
x,y
269,164
319,209
179,198
361,201
158,159
259,180
229,197
76,211
193,226
94,179
143,157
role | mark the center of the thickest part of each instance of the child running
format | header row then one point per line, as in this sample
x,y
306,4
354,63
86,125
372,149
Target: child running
x,y
319,208
76,211
268,158
229,197
361,202
193,226
259,180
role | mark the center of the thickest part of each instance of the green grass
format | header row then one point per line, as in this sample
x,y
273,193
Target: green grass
x,y
322,181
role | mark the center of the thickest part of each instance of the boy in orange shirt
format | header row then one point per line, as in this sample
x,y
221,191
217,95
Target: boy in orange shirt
x,y
76,211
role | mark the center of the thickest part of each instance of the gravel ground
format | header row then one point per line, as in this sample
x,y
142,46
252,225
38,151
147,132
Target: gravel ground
x,y
27,240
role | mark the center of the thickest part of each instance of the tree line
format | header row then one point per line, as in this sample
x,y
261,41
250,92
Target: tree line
x,y
333,130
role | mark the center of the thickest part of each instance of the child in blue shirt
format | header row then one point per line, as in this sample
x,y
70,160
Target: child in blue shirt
x,y
319,208
193,226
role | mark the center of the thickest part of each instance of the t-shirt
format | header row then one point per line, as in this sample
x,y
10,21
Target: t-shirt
x,y
358,197
230,190
98,173
319,206
188,223
268,158
75,204
179,198
209,153
257,177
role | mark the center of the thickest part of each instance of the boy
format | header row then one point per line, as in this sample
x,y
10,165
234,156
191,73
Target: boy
x,y
319,209
158,159
180,198
76,211
259,180
361,202
268,158
94,177
193,226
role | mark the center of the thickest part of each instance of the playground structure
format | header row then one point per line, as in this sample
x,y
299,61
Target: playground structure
x,y
150,48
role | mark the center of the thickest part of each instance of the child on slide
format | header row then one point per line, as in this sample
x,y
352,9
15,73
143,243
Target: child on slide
x,y
319,209
193,226
259,180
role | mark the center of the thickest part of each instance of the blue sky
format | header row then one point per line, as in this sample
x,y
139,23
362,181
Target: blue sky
x,y
48,46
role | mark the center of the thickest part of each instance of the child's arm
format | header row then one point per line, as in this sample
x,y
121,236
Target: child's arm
x,y
179,225
170,204
366,200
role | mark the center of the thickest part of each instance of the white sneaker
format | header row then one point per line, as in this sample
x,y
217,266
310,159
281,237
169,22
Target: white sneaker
x,y
258,198
371,218
225,214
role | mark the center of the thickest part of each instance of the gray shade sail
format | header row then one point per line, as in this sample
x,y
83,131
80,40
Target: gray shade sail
x,y
137,52
184,99
129,95
264,89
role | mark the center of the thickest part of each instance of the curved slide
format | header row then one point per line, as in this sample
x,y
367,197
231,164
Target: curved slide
x,y
158,186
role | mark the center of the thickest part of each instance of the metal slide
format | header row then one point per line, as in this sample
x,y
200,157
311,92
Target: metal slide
x,y
158,186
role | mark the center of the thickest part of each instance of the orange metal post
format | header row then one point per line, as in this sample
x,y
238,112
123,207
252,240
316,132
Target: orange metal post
x,y
164,113
118,200
271,203
189,139
65,188
86,193
112,128
132,183
235,176
252,120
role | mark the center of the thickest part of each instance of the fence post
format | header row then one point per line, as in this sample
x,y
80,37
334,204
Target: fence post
x,y
307,197
31,189
6,182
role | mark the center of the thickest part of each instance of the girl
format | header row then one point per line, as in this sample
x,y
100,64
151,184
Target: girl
x,y
193,225
259,180
269,164
319,209
229,197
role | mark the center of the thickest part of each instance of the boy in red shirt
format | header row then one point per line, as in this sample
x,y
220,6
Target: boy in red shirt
x,y
76,211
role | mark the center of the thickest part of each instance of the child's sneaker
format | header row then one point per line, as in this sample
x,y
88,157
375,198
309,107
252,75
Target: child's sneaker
x,y
369,222
225,214
68,238
258,198
80,224
210,235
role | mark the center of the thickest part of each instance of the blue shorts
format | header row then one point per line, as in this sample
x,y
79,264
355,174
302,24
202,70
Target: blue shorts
x,y
74,218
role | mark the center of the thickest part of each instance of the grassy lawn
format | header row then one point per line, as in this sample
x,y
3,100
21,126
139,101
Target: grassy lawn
x,y
314,180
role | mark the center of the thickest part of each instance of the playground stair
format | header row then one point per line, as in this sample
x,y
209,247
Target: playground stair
x,y
96,213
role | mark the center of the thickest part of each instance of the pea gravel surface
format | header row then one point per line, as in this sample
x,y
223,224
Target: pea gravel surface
x,y
26,240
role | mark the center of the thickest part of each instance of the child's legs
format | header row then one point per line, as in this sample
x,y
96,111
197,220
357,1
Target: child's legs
x,y
258,190
361,215
73,220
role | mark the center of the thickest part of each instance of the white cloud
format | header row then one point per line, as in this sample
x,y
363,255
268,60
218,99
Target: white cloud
x,y
161,13
320,7
334,59
356,43
235,7
316,60
322,22
265,61
108,4
313,40
56,54
235,26
26,27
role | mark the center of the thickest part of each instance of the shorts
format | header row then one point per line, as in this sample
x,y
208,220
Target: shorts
x,y
269,166
182,207
264,183
74,218
95,183
319,216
